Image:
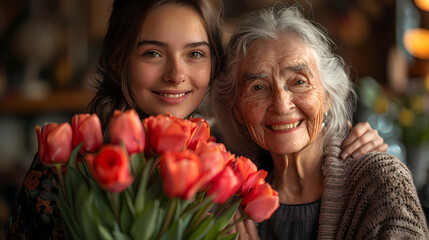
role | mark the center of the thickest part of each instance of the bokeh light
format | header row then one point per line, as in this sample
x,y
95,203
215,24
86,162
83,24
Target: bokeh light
x,y
416,41
422,4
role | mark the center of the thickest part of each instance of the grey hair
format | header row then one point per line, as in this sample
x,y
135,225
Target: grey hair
x,y
267,24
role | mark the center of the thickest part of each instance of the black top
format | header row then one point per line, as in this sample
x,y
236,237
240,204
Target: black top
x,y
292,222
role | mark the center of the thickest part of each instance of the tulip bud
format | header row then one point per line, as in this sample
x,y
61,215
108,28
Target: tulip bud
x,y
87,129
180,172
54,143
260,203
224,185
127,127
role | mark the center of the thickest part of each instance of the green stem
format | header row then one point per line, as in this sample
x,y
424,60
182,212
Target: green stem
x,y
61,178
114,204
169,216
225,231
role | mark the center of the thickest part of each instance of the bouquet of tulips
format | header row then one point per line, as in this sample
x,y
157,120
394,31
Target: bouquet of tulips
x,y
162,178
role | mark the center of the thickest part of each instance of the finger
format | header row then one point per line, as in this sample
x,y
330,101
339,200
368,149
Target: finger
x,y
355,133
251,229
382,148
371,146
368,142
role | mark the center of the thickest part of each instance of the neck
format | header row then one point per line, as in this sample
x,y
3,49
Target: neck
x,y
298,176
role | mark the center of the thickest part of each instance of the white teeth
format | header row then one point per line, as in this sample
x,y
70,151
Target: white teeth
x,y
285,126
168,95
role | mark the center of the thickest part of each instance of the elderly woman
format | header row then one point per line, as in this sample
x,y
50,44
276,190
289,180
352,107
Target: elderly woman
x,y
284,101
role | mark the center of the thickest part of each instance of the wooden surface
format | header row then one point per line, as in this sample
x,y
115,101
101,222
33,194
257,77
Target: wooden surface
x,y
64,101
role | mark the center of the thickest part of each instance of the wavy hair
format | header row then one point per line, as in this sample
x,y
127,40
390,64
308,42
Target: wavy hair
x,y
268,24
120,42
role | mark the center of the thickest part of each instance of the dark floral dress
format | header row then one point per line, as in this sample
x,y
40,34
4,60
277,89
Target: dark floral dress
x,y
35,215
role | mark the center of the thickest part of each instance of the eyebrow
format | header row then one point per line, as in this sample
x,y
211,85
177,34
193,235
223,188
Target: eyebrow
x,y
251,77
162,44
300,68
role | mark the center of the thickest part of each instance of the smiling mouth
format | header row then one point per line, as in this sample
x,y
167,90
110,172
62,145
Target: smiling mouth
x,y
285,126
171,95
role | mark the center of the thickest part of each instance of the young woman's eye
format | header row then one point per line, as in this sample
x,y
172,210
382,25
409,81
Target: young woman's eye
x,y
152,54
196,54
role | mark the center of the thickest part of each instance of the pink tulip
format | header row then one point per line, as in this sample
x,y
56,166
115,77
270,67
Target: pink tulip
x,y
54,143
87,129
110,168
127,127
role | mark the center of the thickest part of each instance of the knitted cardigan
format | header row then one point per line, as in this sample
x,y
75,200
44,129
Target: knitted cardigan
x,y
370,197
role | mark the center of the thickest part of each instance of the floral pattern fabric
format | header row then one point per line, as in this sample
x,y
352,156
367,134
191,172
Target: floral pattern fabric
x,y
35,215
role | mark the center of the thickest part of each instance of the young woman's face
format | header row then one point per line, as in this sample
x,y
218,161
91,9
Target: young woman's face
x,y
170,71
282,98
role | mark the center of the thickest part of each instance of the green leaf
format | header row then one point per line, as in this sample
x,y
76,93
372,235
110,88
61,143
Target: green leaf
x,y
104,233
73,155
69,218
141,189
120,236
233,236
222,221
200,231
175,232
86,218
144,225
127,213
101,203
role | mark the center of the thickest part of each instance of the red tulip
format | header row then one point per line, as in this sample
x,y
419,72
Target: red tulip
x,y
55,143
254,179
179,171
87,129
110,168
127,127
260,203
224,185
166,133
243,168
200,132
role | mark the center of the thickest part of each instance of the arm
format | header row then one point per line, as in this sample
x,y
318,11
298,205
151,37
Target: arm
x,y
362,139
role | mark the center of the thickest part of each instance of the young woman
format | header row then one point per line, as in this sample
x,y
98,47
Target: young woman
x,y
158,56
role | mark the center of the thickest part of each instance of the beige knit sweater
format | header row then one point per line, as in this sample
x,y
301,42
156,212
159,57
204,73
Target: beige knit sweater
x,y
371,197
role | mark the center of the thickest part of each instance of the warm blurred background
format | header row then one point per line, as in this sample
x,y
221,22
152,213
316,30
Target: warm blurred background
x,y
48,50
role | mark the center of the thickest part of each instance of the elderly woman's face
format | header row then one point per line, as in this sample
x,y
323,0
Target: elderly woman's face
x,y
282,97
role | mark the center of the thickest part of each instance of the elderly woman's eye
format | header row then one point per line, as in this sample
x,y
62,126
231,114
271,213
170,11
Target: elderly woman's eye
x,y
258,87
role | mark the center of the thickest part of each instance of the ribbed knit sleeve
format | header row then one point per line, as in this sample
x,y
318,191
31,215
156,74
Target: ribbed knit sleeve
x,y
379,200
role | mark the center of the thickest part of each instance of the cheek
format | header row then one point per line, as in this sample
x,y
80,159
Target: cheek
x,y
143,75
312,106
201,76
252,111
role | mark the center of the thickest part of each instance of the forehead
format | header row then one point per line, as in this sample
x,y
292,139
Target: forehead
x,y
288,50
172,21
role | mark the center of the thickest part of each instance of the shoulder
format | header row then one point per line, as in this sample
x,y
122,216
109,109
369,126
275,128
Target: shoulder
x,y
379,165
381,193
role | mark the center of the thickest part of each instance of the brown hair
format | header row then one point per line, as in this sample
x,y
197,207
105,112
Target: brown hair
x,y
121,40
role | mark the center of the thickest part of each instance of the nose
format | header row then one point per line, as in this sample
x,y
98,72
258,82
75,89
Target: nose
x,y
282,101
175,71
